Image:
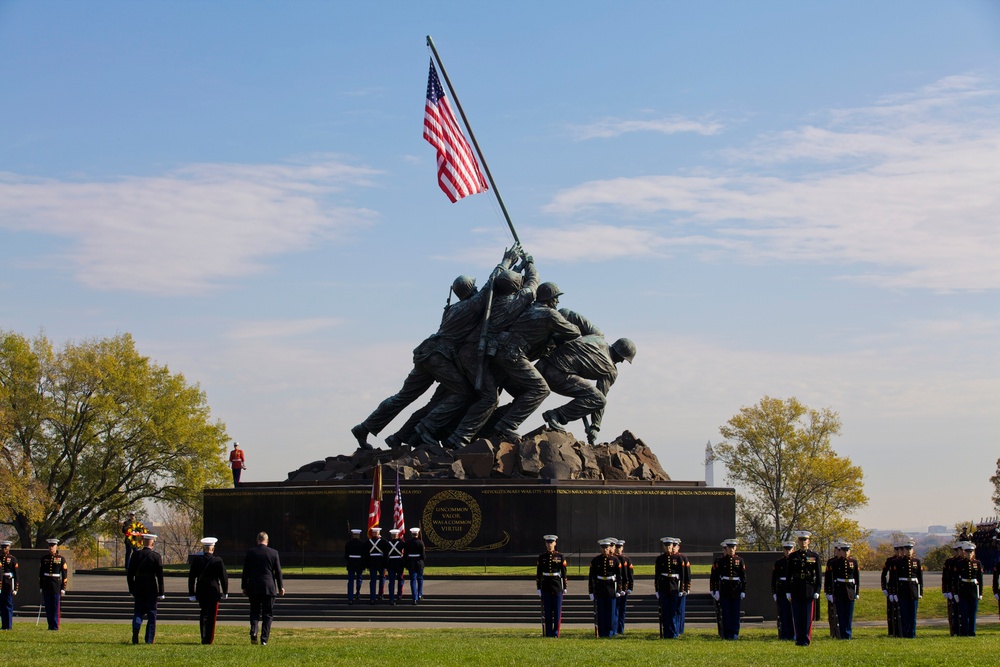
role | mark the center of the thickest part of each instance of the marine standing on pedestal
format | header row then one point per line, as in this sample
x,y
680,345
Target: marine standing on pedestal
x,y
355,557
414,552
842,585
208,583
906,587
395,564
8,587
967,584
53,575
805,580
728,585
550,579
779,591
628,582
145,583
604,585
376,565
238,462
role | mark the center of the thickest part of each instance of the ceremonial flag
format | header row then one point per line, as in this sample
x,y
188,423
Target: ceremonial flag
x,y
458,171
375,504
397,511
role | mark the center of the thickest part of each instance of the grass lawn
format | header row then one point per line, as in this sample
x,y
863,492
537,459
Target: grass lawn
x,y
108,645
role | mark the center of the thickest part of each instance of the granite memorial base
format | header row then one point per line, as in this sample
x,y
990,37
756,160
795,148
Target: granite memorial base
x,y
472,522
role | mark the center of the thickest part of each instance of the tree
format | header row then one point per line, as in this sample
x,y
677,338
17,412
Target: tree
x,y
778,455
995,480
94,429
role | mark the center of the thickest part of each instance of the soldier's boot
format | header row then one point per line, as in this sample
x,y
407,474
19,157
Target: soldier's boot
x,y
135,636
394,442
506,433
360,432
422,438
453,442
553,421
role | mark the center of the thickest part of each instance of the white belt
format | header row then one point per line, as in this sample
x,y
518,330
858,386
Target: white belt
x,y
8,574
781,578
355,556
672,576
968,581
730,578
845,581
910,579
57,576
557,575
611,578
415,555
395,558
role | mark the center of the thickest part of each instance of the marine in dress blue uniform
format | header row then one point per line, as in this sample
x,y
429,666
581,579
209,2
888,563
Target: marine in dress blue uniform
x,y
669,587
967,585
145,583
356,558
208,583
395,565
628,581
805,580
376,549
842,585
8,586
604,584
906,588
550,580
681,612
728,585
779,590
53,575
947,577
415,558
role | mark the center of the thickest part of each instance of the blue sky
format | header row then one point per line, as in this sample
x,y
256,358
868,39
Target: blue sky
x,y
781,198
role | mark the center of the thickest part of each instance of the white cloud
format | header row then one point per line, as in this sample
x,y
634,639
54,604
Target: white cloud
x,y
282,328
187,229
908,189
613,127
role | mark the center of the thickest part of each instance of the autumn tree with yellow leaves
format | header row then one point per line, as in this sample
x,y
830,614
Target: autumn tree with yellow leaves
x,y
778,454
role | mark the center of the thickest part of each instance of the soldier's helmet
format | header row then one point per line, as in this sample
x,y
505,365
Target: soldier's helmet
x,y
464,287
625,348
507,282
547,291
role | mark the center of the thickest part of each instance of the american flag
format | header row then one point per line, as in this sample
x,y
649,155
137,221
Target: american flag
x,y
375,504
458,171
397,511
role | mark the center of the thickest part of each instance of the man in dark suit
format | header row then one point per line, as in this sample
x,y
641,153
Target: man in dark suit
x,y
145,583
262,582
208,582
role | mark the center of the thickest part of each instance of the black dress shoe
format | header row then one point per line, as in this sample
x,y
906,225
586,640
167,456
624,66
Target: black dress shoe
x,y
253,640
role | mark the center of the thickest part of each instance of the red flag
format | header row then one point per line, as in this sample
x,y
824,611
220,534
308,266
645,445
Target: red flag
x,y
458,171
375,504
397,511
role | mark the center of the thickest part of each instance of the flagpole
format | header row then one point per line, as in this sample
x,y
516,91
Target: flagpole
x,y
486,168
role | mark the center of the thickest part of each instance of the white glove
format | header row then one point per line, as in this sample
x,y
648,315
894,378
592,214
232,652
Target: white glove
x,y
980,597
857,596
885,593
893,598
715,594
742,595
628,592
948,596
657,594
226,596
15,592
63,592
829,598
997,596
591,597
920,597
815,596
193,599
163,597
955,598
682,594
775,596
539,592
788,596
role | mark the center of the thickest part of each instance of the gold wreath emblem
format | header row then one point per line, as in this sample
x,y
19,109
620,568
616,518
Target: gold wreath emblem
x,y
428,519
